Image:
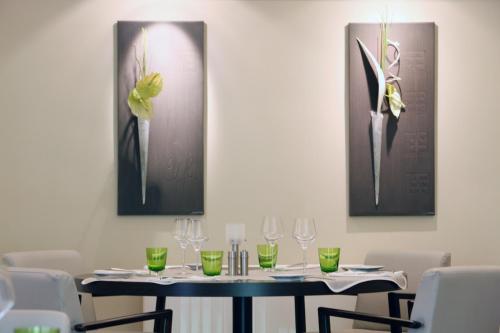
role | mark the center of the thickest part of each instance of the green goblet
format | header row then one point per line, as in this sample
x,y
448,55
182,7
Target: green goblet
x,y
329,259
157,258
211,262
267,253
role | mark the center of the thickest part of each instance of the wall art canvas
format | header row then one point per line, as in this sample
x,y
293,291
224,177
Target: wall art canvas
x,y
391,118
161,103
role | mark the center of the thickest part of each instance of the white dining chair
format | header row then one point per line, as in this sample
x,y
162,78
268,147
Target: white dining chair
x,y
448,300
69,261
29,318
414,264
45,289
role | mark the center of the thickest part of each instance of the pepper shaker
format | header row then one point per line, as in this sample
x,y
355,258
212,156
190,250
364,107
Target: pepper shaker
x,y
244,262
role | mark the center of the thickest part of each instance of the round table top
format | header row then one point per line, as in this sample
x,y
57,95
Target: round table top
x,y
225,288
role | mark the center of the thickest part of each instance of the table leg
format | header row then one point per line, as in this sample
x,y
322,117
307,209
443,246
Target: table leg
x,y
159,323
242,314
300,314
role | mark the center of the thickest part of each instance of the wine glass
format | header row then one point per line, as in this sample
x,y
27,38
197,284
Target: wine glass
x,y
6,293
181,236
196,236
272,230
304,232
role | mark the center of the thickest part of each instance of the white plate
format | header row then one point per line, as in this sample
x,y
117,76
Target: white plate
x,y
361,268
295,267
288,277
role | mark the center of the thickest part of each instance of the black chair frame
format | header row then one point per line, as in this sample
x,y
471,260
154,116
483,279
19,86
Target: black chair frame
x,y
394,299
164,315
324,315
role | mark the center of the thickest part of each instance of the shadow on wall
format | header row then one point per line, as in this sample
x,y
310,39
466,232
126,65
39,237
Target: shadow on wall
x,y
390,224
36,17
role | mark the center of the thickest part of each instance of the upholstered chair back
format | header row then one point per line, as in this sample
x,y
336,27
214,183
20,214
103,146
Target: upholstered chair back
x,y
458,300
69,261
413,263
45,289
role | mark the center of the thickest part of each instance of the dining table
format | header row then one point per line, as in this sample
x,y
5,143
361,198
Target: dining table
x,y
240,288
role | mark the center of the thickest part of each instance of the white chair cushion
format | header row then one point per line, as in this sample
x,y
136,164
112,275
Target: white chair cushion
x,y
28,318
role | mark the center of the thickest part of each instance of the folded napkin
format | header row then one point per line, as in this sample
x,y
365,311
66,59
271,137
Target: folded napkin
x,y
341,281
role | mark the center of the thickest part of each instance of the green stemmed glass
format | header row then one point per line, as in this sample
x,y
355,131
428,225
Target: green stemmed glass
x,y
157,258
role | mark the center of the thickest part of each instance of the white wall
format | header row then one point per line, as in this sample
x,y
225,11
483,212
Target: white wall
x,y
276,127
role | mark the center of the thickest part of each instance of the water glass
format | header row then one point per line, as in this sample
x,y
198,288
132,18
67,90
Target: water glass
x,y
329,259
197,236
157,258
304,232
272,229
181,236
211,262
267,253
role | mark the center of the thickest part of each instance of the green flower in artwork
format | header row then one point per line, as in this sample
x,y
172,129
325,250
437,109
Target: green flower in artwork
x,y
147,87
395,102
139,99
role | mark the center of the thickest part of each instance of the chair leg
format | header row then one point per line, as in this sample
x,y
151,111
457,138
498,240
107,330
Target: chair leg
x,y
323,321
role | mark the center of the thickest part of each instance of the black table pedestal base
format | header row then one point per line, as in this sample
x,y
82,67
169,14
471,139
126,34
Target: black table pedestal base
x,y
242,314
300,314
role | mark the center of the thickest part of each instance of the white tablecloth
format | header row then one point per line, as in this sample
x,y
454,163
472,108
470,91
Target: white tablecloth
x,y
337,282
270,314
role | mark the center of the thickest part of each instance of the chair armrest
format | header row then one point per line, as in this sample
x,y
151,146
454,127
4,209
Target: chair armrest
x,y
395,309
95,325
394,298
324,315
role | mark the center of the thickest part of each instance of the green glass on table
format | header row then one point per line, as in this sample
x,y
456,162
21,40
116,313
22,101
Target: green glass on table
x,y
268,255
36,329
157,258
211,262
329,259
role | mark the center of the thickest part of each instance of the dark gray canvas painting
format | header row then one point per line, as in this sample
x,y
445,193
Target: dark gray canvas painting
x,y
391,139
160,166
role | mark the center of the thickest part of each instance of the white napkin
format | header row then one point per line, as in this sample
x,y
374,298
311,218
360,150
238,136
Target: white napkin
x,y
340,281
150,279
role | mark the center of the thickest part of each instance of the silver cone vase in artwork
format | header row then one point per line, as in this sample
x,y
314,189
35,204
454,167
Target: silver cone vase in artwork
x,y
143,126
376,118
377,122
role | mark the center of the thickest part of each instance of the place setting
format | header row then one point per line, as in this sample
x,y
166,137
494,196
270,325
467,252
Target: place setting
x,y
210,266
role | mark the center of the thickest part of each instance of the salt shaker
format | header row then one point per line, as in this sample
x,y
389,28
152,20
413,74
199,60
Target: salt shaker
x,y
232,263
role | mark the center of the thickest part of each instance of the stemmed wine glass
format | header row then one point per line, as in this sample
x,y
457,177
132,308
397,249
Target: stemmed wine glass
x,y
6,293
304,232
181,236
272,230
196,236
